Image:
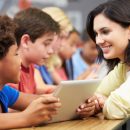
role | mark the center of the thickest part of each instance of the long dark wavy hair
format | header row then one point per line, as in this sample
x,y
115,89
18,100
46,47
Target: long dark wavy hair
x,y
117,11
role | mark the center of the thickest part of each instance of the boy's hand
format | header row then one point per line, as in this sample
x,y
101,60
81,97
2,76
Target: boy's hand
x,y
41,109
49,89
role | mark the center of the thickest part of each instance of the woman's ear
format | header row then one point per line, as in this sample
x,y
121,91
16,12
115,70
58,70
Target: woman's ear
x,y
25,40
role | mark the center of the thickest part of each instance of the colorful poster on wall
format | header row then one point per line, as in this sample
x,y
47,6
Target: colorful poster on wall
x,y
24,4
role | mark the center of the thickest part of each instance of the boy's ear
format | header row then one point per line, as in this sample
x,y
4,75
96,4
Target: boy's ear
x,y
25,40
129,32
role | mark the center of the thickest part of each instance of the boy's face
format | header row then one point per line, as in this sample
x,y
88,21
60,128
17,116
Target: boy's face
x,y
39,51
10,66
59,41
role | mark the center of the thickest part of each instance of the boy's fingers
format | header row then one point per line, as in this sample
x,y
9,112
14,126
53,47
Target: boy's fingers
x,y
48,90
47,99
49,112
53,106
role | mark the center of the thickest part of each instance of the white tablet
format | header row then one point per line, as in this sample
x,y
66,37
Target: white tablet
x,y
72,94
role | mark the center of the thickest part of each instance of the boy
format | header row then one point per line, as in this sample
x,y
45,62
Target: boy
x,y
68,44
41,109
35,35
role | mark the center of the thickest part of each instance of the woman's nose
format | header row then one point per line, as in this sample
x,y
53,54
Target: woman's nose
x,y
99,40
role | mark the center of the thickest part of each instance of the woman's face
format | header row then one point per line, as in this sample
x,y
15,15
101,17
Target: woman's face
x,y
111,37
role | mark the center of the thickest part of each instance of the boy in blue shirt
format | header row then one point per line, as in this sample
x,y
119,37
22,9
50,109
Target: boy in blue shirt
x,y
39,110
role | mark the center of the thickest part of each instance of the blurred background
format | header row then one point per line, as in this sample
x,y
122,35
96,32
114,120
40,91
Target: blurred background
x,y
77,10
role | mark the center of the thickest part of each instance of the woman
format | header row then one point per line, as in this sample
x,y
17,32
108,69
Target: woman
x,y
109,26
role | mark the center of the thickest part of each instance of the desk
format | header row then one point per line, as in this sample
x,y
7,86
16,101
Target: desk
x,y
88,124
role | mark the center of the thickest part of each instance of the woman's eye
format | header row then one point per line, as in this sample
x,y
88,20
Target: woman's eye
x,y
105,31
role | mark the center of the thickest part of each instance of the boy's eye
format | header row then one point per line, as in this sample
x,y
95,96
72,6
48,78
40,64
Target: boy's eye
x,y
46,43
16,54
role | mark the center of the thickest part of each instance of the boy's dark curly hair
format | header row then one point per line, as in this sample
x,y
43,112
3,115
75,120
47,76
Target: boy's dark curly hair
x,y
7,34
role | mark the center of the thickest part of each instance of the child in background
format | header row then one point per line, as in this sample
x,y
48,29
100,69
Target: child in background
x,y
72,42
68,48
63,46
48,71
84,57
35,34
84,61
41,109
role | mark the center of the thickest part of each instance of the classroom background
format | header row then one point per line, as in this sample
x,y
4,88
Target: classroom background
x,y
76,10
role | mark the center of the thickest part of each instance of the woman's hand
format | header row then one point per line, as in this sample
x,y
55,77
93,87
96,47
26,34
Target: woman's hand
x,y
92,106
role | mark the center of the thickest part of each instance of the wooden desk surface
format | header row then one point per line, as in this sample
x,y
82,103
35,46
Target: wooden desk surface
x,y
88,124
